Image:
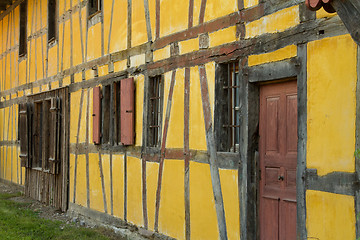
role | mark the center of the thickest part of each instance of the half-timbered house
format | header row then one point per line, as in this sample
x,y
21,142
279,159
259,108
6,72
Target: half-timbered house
x,y
198,119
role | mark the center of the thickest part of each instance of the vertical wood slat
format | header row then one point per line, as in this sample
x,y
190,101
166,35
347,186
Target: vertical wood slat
x,y
127,112
210,142
162,153
54,154
96,114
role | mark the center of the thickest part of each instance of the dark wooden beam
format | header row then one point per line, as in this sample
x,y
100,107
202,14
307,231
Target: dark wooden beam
x,y
349,12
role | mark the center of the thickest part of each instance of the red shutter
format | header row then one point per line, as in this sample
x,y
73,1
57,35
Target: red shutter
x,y
54,141
127,112
96,114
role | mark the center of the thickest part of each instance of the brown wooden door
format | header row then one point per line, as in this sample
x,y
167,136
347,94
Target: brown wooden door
x,y
278,154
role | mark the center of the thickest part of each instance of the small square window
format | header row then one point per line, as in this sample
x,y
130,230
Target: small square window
x,y
51,20
23,27
94,6
227,108
155,108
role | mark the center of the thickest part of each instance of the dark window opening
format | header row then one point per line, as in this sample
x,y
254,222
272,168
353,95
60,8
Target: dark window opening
x,y
94,6
116,116
23,29
227,108
106,114
155,108
51,20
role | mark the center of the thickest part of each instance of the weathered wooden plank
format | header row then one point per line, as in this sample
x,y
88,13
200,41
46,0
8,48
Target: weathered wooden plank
x,y
349,12
302,140
77,143
147,18
163,149
111,23
125,186
129,23
273,71
191,14
157,19
187,152
336,182
202,11
210,143
357,143
102,182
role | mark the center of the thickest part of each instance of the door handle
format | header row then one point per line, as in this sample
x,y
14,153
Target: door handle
x,y
281,178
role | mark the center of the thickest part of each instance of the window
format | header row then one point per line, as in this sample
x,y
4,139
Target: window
x,y
51,20
155,108
40,136
23,27
93,7
227,108
113,116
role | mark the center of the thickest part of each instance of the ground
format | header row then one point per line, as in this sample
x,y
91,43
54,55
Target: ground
x,y
24,218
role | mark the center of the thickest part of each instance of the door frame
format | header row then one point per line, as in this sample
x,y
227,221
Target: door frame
x,y
251,78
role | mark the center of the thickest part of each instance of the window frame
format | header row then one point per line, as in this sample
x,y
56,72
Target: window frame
x,y
93,10
23,28
154,122
227,107
52,18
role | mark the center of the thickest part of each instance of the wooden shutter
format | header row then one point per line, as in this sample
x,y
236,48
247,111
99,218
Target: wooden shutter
x,y
127,112
96,114
23,135
54,139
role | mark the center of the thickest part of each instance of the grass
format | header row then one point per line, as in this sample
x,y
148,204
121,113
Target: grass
x,y
18,222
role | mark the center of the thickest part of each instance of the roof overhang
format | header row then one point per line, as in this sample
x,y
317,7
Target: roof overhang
x,y
348,11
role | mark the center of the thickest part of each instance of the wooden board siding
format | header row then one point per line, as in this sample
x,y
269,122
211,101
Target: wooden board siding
x,y
49,184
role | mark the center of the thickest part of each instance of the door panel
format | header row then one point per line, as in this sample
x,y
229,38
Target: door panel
x,y
278,159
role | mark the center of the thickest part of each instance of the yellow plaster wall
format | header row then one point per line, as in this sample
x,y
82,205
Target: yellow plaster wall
x,y
134,191
77,50
139,98
229,187
250,3
202,205
105,160
71,176
331,104
189,45
321,13
172,206
137,60
222,36
277,55
175,137
120,65
162,53
330,216
152,171
118,184
197,138
139,32
94,42
118,39
81,194
95,188
74,116
213,10
276,22
173,16
52,61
